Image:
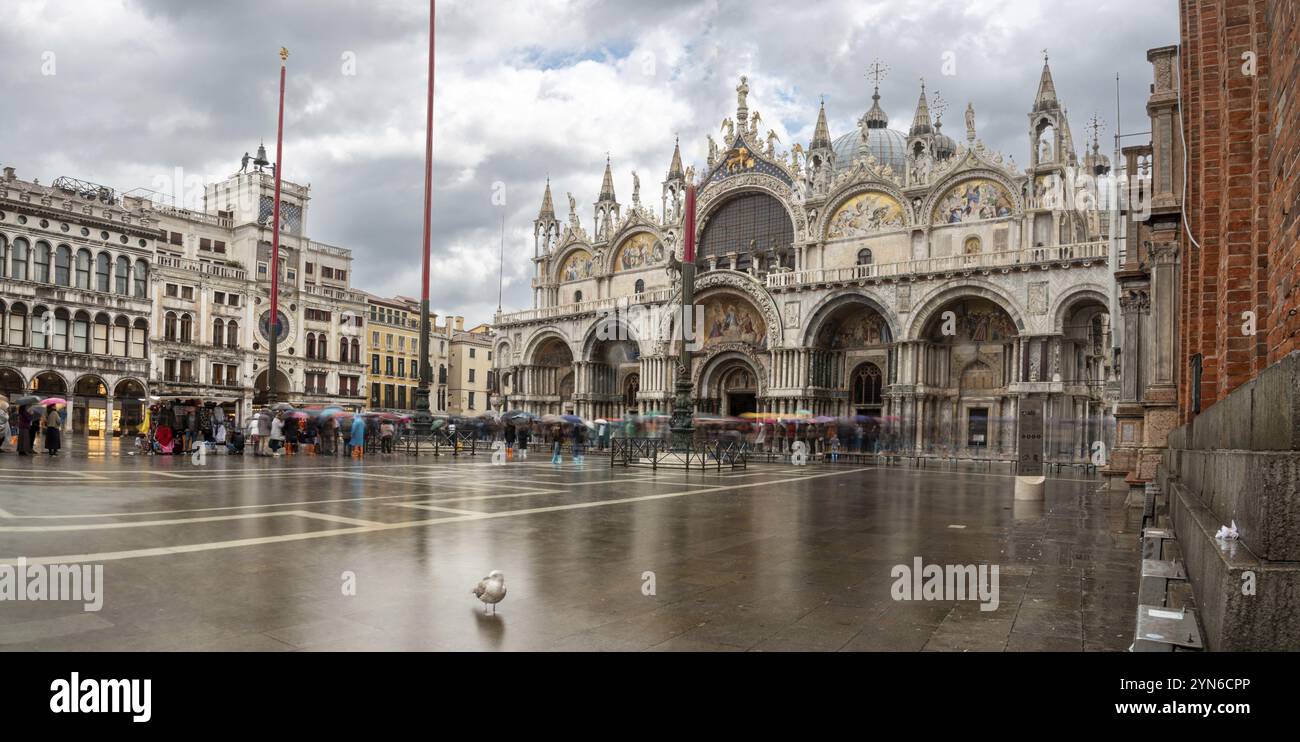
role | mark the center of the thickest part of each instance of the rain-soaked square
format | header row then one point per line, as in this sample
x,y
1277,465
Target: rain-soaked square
x,y
385,553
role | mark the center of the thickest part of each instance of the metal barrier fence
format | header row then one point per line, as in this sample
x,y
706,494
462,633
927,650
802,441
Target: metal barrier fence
x,y
657,452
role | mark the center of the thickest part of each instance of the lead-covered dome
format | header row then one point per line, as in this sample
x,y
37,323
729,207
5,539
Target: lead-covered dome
x,y
886,145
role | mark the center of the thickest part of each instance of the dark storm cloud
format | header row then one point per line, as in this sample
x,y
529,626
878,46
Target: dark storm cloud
x,y
525,90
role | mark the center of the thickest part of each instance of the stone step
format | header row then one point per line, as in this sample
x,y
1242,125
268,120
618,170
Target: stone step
x,y
1161,629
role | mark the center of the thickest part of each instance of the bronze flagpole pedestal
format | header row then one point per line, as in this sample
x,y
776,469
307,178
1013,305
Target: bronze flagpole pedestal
x,y
681,423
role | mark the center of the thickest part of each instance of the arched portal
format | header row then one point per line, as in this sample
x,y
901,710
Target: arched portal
x,y
549,377
11,383
49,384
968,361
90,410
730,386
260,387
1077,419
129,404
850,339
605,369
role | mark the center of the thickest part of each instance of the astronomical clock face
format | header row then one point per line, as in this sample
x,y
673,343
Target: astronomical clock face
x,y
281,326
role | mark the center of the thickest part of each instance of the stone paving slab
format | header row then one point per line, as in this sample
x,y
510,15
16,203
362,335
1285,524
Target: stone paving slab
x,y
246,554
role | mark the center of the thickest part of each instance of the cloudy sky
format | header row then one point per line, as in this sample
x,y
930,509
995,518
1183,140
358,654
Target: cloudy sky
x,y
525,90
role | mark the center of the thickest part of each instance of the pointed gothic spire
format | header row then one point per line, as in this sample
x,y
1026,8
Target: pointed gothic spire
x,y
1046,97
822,133
921,121
548,208
607,185
675,171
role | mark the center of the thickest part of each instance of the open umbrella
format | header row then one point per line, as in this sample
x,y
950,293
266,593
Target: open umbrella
x,y
53,401
573,419
552,419
27,399
282,406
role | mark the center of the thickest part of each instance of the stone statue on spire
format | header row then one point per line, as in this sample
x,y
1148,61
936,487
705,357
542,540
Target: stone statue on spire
x,y
970,122
742,105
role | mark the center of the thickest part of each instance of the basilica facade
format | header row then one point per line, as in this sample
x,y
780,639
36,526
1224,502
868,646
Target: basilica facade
x,y
924,284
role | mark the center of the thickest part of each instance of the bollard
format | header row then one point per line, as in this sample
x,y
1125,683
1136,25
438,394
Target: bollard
x,y
1030,488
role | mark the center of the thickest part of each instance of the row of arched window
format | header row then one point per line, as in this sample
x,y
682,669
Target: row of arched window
x,y
60,330
180,328
318,348
225,333
82,269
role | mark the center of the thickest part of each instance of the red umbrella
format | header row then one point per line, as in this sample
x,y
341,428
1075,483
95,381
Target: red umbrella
x,y
53,401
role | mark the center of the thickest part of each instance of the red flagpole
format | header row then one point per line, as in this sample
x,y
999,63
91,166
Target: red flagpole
x,y
275,239
422,401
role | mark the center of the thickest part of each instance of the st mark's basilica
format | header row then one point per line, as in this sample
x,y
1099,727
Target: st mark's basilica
x,y
925,283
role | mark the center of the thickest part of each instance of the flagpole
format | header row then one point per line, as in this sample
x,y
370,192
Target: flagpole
x,y
275,241
681,422
423,417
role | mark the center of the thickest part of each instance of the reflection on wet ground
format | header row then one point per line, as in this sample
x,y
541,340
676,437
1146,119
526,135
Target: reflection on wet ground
x,y
255,554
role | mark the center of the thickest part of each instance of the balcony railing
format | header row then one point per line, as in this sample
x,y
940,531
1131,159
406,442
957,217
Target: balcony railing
x,y
657,296
947,264
335,293
198,266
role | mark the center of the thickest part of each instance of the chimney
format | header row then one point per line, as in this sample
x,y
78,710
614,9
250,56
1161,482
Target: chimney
x,y
9,175
460,323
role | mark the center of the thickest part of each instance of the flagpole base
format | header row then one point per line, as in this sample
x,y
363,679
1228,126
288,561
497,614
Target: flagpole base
x,y
1031,488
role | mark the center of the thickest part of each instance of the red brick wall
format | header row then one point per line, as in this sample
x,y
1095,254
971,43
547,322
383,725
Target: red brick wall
x,y
1239,184
1283,286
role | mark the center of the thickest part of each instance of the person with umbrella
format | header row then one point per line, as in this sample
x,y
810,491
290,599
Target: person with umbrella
x,y
524,432
310,432
557,449
579,441
264,433
25,423
277,433
356,442
53,421
509,436
252,437
329,433
291,432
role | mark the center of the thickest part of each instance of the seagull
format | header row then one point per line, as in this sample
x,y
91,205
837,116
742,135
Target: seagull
x,y
491,590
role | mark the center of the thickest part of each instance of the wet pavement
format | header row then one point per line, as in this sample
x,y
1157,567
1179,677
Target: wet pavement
x,y
257,554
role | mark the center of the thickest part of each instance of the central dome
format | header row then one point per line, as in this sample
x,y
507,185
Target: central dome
x,y
886,145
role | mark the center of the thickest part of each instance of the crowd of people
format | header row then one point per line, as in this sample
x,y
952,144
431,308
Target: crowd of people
x,y
26,419
279,430
276,431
